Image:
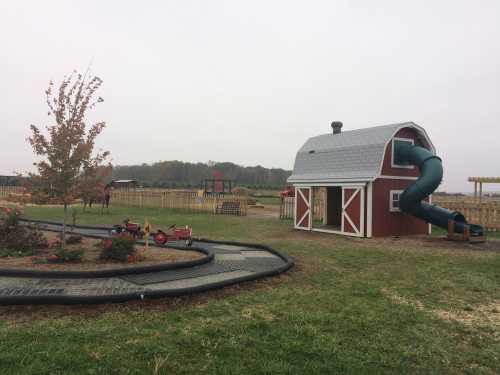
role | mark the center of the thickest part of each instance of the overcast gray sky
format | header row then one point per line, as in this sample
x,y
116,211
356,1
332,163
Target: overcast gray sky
x,y
249,81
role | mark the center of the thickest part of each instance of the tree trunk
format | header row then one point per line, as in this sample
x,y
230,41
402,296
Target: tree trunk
x,y
63,239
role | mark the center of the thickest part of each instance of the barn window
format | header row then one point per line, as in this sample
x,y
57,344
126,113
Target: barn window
x,y
395,163
394,200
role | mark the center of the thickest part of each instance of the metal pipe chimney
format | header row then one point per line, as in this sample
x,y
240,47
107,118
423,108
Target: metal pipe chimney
x,y
336,127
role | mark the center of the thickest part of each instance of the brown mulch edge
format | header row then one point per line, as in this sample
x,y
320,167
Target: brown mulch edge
x,y
207,257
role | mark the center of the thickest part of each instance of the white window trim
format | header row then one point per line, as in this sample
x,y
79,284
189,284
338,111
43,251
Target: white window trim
x,y
386,177
394,165
421,132
391,208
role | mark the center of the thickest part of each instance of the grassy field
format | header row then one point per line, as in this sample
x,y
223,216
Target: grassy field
x,y
350,306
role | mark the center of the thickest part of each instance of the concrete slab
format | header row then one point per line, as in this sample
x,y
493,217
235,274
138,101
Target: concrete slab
x,y
198,281
258,254
229,257
229,247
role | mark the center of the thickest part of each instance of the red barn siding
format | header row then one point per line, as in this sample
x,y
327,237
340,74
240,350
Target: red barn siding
x,y
387,223
387,169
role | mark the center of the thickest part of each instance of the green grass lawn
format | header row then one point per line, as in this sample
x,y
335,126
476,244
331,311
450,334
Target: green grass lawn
x,y
350,306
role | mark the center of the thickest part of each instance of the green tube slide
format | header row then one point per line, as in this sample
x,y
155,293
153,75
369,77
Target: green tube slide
x,y
431,174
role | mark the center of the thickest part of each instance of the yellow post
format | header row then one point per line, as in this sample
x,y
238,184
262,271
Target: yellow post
x,y
147,230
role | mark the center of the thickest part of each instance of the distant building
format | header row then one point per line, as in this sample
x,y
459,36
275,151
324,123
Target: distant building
x,y
124,184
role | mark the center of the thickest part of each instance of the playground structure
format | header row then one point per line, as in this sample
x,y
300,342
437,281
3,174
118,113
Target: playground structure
x,y
479,181
217,186
372,182
411,200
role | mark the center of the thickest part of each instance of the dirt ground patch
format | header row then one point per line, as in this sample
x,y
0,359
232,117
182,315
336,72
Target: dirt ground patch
x,y
437,243
90,261
481,315
487,314
266,212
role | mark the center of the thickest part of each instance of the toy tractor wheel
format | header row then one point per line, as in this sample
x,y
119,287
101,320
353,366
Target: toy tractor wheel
x,y
115,230
160,239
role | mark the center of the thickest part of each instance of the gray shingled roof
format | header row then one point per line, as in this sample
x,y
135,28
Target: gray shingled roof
x,y
354,155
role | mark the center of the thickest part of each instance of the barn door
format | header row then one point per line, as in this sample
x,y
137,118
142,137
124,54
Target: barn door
x,y
303,208
353,211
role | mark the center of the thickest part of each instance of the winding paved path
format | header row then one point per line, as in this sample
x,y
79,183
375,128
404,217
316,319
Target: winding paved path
x,y
232,263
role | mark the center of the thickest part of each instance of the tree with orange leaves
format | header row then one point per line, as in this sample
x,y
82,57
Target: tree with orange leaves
x,y
67,150
92,183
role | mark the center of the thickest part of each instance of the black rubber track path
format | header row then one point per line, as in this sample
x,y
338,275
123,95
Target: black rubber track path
x,y
225,263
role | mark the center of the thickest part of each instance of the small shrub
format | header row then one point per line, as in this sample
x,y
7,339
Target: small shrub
x,y
19,240
54,243
15,253
69,255
107,244
40,260
12,219
117,248
74,239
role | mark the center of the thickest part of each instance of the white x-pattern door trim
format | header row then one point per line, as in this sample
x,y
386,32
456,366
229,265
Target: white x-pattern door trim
x,y
297,224
358,230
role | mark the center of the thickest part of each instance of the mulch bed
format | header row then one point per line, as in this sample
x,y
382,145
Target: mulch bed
x,y
90,261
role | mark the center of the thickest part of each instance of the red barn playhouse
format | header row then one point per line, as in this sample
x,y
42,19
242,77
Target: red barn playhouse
x,y
348,182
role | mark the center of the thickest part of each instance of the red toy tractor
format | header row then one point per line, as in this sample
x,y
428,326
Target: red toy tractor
x,y
133,229
288,192
174,234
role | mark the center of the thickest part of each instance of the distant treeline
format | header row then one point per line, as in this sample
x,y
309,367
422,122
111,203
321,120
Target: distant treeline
x,y
11,180
178,174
